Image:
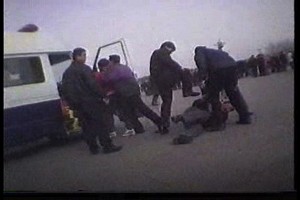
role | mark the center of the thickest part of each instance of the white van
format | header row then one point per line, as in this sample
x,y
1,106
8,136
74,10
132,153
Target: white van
x,y
33,65
33,68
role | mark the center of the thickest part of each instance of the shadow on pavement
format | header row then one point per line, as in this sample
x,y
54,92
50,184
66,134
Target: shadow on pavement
x,y
38,147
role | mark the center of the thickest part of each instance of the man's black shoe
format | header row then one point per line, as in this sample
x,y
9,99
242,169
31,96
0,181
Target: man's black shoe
x,y
245,121
192,94
111,149
164,131
159,128
139,131
177,118
182,139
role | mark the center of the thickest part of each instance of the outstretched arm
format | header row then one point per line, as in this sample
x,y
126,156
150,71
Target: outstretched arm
x,y
168,61
201,64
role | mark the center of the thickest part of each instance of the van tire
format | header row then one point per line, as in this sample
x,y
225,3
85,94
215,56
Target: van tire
x,y
58,139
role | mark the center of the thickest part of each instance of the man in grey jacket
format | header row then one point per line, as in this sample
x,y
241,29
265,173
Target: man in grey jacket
x,y
220,69
82,93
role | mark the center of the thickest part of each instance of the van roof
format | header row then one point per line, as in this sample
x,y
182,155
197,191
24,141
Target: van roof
x,y
36,42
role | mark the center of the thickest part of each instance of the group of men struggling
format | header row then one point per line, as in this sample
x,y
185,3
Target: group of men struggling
x,y
97,94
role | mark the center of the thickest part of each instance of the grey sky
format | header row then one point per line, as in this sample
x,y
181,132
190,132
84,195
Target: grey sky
x,y
245,25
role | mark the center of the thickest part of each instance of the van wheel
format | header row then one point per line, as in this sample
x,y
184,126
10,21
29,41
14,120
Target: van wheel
x,y
68,132
59,138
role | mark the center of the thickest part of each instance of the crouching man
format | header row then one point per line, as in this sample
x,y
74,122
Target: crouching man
x,y
221,72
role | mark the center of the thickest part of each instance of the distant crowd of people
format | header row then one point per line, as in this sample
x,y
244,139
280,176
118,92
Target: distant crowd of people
x,y
259,65
262,65
112,89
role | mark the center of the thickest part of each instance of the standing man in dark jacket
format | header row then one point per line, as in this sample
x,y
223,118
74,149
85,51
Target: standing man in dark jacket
x,y
82,94
221,70
165,73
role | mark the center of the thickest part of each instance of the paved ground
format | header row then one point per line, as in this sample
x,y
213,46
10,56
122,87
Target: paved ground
x,y
243,158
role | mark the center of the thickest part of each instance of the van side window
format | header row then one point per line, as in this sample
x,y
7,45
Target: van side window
x,y
56,58
22,71
59,62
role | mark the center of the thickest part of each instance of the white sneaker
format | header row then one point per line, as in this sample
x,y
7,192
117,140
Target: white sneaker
x,y
113,134
129,132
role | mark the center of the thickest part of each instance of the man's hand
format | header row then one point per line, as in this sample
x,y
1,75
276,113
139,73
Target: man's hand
x,y
109,93
106,100
202,84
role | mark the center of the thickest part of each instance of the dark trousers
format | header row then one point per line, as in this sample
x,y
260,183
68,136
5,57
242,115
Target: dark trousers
x,y
166,93
154,89
187,81
93,116
116,107
225,79
133,104
165,111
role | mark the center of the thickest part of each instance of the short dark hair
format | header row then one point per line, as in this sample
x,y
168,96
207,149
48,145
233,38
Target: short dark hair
x,y
102,63
168,44
77,52
115,58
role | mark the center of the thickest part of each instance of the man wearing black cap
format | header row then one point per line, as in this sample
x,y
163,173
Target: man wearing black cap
x,y
83,95
220,69
165,73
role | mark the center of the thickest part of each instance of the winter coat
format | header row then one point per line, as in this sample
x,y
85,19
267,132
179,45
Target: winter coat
x,y
79,85
163,69
209,60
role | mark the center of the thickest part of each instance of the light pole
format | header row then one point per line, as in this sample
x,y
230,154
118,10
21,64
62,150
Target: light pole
x,y
220,44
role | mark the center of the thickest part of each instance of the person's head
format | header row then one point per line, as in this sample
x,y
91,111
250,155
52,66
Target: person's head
x,y
199,49
79,55
169,46
226,108
115,59
103,64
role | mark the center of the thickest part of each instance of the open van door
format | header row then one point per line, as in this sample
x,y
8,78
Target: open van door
x,y
118,47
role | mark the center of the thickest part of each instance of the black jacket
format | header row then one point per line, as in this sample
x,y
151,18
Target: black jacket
x,y
209,60
79,85
163,69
